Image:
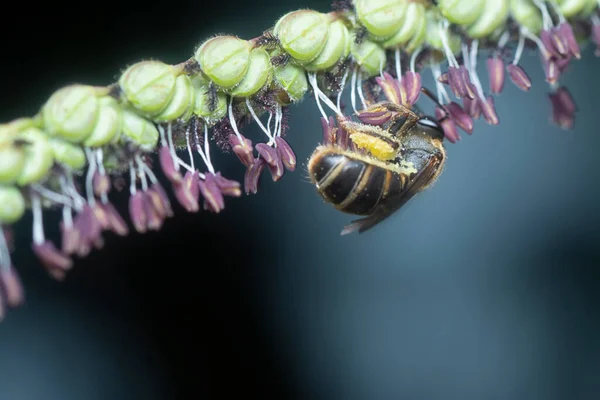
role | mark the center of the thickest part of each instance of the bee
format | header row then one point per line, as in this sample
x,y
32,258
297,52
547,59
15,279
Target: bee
x,y
373,170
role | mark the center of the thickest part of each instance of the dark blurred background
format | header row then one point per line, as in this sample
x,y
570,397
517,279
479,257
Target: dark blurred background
x,y
484,287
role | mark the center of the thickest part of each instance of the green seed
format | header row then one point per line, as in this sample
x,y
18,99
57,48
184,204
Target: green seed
x,y
461,12
108,125
71,113
494,15
139,130
202,104
39,156
571,8
12,205
369,56
180,101
337,46
418,39
382,18
414,18
303,34
224,59
68,154
258,75
433,34
292,80
12,156
149,86
527,15
589,9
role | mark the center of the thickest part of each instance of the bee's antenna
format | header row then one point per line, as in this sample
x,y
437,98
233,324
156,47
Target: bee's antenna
x,y
428,93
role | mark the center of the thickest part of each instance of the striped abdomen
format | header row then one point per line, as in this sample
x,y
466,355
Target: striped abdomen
x,y
353,185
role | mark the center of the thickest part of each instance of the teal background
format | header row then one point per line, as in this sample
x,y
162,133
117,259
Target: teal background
x,y
484,287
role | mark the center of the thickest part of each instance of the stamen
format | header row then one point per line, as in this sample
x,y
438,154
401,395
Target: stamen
x,y
89,179
100,161
444,25
278,120
161,131
68,187
342,86
561,17
413,59
232,121
473,66
257,120
361,95
503,39
147,170
38,223
352,92
51,195
546,18
102,171
312,78
398,65
142,175
207,150
520,47
189,147
441,90
5,262
67,216
132,178
269,124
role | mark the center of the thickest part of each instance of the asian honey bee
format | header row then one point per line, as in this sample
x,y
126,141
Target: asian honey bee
x,y
373,170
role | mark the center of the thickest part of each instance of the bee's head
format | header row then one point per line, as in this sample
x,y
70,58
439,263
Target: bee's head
x,y
430,127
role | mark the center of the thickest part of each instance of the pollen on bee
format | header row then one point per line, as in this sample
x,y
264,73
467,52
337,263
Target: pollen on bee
x,y
379,148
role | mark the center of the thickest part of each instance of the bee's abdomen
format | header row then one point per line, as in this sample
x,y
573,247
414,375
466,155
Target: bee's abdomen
x,y
352,185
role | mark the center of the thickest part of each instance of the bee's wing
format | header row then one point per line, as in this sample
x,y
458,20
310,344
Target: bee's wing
x,y
422,178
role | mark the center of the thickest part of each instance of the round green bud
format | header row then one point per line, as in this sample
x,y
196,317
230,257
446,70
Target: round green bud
x,y
12,155
571,8
433,34
418,39
180,101
224,59
68,154
260,72
191,104
302,34
527,14
335,49
292,79
202,104
12,205
494,15
139,130
589,9
461,12
414,18
369,56
71,112
108,125
382,18
39,156
149,85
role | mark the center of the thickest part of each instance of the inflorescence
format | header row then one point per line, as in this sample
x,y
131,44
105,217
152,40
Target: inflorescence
x,y
70,155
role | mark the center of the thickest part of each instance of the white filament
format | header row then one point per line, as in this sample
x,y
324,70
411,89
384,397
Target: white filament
x,y
444,25
258,121
342,86
232,121
38,223
89,179
413,58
